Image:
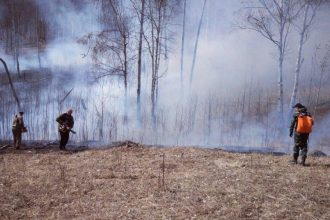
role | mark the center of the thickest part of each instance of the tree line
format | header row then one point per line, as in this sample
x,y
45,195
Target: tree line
x,y
135,38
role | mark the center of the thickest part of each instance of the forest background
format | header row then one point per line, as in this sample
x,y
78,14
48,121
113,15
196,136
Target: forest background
x,y
166,72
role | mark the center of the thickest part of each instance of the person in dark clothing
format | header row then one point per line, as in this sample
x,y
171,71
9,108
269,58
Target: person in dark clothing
x,y
300,137
18,128
66,123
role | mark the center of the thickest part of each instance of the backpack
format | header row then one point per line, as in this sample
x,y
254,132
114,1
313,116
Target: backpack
x,y
304,124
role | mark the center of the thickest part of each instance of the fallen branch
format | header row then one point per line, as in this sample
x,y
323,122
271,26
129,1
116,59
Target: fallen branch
x,y
66,96
11,84
4,147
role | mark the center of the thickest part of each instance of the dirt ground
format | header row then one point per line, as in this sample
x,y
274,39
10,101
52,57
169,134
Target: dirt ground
x,y
137,182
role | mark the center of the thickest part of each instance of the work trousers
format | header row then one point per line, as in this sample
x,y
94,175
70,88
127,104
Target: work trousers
x,y
64,139
17,138
300,144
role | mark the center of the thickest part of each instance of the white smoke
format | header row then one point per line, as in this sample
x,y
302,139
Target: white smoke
x,y
319,138
229,63
68,22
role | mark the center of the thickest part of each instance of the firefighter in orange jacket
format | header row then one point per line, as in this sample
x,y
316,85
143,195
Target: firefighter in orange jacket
x,y
300,136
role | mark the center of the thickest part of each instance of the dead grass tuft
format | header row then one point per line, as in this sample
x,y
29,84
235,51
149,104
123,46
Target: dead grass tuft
x,y
127,182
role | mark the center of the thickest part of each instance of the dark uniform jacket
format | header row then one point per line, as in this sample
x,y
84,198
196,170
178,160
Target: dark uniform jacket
x,y
65,119
294,120
18,123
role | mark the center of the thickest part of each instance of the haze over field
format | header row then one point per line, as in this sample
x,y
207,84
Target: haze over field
x,y
232,99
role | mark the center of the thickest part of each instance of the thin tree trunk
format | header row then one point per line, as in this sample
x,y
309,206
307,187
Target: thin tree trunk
x,y
125,79
280,87
37,37
299,61
165,36
152,54
156,61
8,40
16,40
138,100
242,114
196,44
281,48
182,43
153,78
158,51
323,67
297,73
11,84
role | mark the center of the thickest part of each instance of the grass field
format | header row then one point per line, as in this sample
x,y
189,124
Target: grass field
x,y
136,182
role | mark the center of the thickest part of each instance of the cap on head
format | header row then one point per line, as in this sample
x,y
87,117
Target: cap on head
x,y
69,111
21,113
298,105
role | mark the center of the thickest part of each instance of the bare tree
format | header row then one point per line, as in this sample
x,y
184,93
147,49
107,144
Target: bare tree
x,y
111,47
272,19
140,61
122,23
156,20
309,12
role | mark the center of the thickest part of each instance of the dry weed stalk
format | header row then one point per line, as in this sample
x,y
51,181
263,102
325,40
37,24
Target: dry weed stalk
x,y
118,157
161,176
62,176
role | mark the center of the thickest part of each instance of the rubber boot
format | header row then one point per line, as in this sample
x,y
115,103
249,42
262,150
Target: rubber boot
x,y
303,160
295,160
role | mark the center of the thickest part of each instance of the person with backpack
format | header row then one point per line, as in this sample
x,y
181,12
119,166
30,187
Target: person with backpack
x,y
66,122
301,125
18,128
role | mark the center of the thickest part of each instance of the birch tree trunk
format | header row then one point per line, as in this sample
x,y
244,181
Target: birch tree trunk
x,y
273,20
296,76
196,45
307,21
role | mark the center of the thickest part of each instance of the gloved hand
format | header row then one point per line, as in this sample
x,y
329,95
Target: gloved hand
x,y
291,134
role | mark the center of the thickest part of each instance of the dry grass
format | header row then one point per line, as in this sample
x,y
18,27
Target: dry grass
x,y
127,183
